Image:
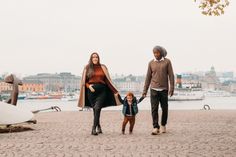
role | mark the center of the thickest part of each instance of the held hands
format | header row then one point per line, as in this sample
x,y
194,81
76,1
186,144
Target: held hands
x,y
91,88
144,95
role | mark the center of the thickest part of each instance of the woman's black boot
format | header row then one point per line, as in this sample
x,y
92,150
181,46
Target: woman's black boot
x,y
94,131
99,129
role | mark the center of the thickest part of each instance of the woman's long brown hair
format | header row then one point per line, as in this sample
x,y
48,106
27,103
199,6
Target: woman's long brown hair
x,y
90,66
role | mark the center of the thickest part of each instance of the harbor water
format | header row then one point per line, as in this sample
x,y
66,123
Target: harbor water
x,y
215,103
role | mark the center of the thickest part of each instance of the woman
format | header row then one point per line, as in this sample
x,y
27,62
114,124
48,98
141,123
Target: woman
x,y
97,90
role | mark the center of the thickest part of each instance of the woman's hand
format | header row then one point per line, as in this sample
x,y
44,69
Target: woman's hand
x,y
91,88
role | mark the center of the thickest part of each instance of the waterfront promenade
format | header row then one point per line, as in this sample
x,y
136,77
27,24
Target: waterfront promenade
x,y
189,133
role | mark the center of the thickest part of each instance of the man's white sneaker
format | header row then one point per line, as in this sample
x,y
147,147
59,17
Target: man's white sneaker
x,y
163,129
155,131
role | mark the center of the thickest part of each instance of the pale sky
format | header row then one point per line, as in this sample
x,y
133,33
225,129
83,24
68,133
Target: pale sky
x,y
59,35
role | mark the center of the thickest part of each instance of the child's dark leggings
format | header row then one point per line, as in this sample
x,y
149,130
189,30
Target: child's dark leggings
x,y
131,120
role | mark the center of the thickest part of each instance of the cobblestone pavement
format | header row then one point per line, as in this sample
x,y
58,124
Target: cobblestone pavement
x,y
62,134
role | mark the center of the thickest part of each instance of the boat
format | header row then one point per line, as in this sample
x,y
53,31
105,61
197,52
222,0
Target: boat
x,y
11,114
34,95
187,94
70,97
217,93
7,95
21,96
55,95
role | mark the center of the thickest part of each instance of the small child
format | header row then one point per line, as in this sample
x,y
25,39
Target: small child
x,y
130,109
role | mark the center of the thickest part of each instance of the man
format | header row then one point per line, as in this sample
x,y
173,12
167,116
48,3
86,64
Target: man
x,y
161,77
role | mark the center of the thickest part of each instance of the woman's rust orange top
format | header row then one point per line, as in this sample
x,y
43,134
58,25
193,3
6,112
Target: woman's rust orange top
x,y
99,77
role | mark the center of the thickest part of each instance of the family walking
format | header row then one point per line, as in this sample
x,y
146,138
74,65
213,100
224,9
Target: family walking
x,y
97,91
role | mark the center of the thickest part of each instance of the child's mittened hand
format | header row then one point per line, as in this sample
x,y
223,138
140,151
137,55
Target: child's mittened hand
x,y
141,99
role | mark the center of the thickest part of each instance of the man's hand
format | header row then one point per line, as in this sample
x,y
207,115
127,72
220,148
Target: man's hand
x,y
144,95
171,92
91,88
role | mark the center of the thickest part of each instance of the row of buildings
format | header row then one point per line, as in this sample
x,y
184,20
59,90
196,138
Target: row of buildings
x,y
211,80
46,82
28,86
68,82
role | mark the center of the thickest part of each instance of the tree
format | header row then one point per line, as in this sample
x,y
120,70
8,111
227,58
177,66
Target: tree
x,y
212,7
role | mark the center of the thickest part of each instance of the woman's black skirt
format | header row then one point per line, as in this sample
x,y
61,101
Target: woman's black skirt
x,y
99,96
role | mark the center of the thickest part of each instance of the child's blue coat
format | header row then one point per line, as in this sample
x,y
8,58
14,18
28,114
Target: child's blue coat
x,y
134,106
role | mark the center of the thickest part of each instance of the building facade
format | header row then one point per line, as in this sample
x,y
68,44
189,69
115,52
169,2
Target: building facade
x,y
130,83
57,82
28,86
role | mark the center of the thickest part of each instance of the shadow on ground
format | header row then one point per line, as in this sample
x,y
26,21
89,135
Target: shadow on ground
x,y
12,129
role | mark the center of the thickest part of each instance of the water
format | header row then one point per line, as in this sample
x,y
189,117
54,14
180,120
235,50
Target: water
x,y
217,103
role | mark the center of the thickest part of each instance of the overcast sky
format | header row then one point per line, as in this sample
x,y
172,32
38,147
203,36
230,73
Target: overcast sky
x,y
59,35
